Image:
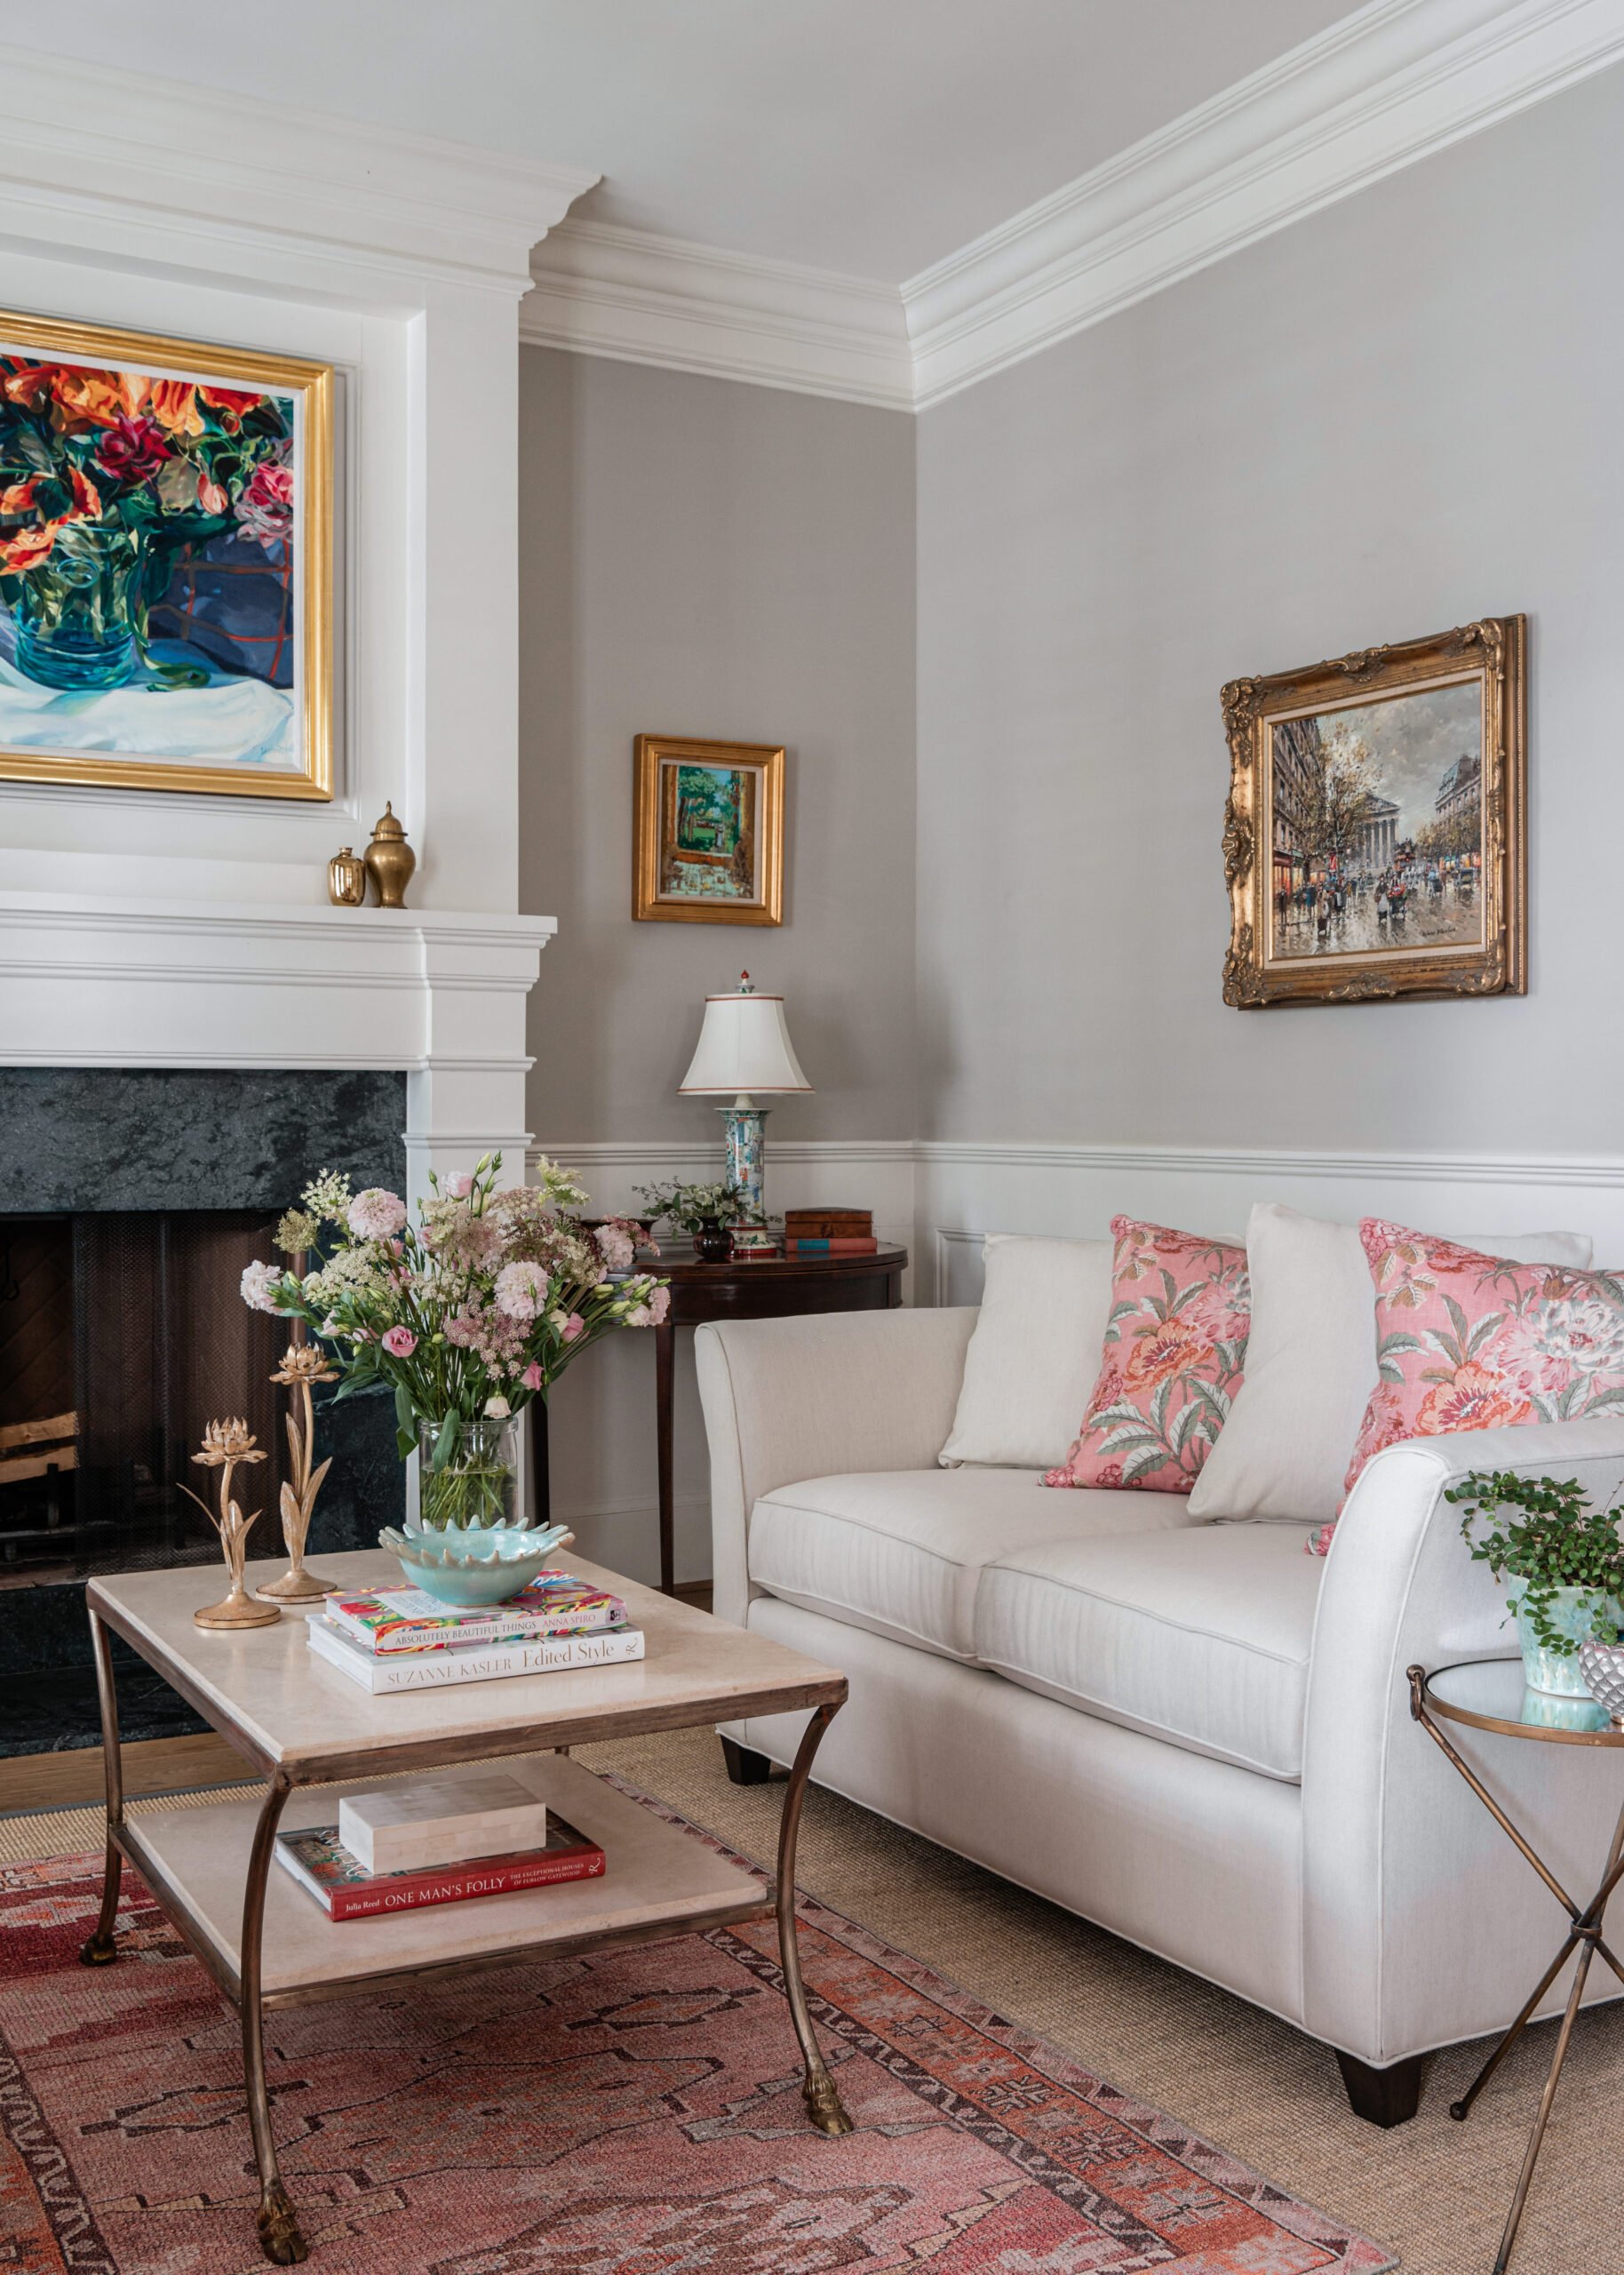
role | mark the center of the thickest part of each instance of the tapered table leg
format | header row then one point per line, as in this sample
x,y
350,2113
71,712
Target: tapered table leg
x,y
279,2237
100,1950
819,2087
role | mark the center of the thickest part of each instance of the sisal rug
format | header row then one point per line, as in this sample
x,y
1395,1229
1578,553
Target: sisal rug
x,y
628,2113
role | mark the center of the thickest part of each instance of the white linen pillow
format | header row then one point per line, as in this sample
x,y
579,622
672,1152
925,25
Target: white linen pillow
x,y
1312,1365
1030,1370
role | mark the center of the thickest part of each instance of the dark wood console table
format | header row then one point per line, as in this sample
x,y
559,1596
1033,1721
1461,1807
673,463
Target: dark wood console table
x,y
787,1286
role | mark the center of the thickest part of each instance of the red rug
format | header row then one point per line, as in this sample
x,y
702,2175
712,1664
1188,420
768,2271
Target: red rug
x,y
634,2113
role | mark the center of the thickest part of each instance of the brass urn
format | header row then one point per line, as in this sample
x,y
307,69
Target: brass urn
x,y
347,879
390,860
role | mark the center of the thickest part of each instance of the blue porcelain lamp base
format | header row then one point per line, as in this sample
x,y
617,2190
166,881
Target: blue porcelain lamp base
x,y
744,1132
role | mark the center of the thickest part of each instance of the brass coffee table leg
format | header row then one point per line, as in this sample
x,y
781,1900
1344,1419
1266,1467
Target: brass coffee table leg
x,y
279,2236
819,2087
100,1950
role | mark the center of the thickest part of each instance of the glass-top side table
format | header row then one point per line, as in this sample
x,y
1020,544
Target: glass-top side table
x,y
1494,1695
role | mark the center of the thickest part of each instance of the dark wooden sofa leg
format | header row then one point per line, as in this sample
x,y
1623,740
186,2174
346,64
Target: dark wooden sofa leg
x,y
744,1767
1385,2097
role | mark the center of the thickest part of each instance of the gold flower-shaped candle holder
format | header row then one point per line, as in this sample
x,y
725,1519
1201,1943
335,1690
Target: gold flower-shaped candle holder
x,y
302,1364
229,1446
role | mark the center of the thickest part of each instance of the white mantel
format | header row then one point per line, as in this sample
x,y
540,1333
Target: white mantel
x,y
438,994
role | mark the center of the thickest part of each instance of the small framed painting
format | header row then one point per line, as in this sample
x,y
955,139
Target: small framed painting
x,y
709,822
1375,838
165,563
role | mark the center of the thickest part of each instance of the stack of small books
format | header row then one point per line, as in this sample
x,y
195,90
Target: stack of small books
x,y
830,1232
403,1639
434,1841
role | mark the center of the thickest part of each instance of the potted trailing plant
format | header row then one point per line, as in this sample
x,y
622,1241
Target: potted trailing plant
x,y
465,1316
706,1212
1564,1563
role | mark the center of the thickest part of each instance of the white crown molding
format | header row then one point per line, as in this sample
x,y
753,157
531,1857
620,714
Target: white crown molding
x,y
637,298
156,164
1391,84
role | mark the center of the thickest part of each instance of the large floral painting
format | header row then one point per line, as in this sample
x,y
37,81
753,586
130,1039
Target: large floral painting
x,y
164,542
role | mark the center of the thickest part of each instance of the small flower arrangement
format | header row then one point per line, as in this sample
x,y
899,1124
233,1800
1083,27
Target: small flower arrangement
x,y
466,1315
694,1207
1560,1542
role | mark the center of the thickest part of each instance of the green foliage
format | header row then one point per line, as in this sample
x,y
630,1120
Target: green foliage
x,y
693,1207
1561,1542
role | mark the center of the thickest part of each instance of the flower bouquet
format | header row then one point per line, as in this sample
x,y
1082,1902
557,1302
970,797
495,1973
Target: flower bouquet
x,y
465,1316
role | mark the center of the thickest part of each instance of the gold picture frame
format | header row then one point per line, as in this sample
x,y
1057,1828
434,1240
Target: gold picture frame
x,y
126,457
708,824
1376,836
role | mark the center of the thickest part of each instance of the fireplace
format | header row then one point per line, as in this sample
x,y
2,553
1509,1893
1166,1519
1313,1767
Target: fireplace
x,y
123,1332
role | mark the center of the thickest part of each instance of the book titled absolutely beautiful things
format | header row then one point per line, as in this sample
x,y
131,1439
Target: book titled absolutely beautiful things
x,y
410,1619
436,1670
346,1890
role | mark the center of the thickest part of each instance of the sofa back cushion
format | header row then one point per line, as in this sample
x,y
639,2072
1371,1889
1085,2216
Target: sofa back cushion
x,y
1174,1347
1033,1357
1312,1365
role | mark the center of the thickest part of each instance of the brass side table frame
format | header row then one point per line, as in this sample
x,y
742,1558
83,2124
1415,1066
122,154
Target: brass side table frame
x,y
1585,1927
781,1681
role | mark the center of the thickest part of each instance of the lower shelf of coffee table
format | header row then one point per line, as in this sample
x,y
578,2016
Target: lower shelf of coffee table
x,y
658,1879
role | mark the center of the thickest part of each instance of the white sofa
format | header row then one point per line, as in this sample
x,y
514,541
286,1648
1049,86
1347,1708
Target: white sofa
x,y
1194,1734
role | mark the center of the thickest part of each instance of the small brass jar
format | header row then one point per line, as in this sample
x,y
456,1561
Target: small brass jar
x,y
347,879
390,860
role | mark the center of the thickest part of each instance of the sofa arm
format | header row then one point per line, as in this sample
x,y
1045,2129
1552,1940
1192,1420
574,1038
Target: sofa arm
x,y
823,1396
1422,1925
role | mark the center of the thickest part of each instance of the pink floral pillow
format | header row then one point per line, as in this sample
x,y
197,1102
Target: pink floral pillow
x,y
1181,1312
1469,1342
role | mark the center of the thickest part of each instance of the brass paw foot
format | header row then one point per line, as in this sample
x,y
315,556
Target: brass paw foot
x,y
279,2236
98,1950
823,2103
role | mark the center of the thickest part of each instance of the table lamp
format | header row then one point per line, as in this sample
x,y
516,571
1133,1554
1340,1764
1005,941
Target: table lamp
x,y
743,1046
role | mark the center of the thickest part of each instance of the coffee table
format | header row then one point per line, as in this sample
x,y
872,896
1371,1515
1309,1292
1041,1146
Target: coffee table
x,y
301,1724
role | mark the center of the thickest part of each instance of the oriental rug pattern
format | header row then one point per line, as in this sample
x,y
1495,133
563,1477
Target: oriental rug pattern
x,y
628,2113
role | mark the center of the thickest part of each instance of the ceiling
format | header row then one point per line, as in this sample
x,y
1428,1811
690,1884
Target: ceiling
x,y
872,137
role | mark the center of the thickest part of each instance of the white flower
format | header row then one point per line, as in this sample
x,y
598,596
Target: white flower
x,y
521,1289
498,1409
376,1214
259,1280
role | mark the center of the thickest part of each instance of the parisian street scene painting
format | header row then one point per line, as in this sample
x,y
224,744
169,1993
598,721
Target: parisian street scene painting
x,y
1376,825
164,542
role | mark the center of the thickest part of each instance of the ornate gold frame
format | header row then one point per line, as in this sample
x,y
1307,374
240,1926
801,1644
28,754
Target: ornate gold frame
x,y
1494,651
651,825
288,375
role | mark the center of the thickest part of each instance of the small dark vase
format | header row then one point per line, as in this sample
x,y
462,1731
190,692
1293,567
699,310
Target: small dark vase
x,y
714,1244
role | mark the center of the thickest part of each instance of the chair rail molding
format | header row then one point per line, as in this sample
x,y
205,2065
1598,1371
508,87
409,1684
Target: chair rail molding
x,y
1390,83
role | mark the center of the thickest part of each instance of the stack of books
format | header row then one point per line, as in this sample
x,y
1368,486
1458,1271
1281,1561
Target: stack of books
x,y
830,1232
434,1841
403,1639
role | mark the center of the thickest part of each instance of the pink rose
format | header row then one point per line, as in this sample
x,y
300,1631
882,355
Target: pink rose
x,y
459,1187
532,1376
400,1342
573,1326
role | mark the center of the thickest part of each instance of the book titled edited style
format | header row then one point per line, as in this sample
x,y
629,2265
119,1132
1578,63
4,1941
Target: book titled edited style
x,y
346,1890
437,1670
410,1619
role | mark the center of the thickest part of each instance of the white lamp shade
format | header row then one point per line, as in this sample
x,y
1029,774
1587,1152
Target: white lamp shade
x,y
744,1045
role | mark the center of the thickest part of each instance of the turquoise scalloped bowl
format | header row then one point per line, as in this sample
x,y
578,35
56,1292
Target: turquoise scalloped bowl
x,y
472,1567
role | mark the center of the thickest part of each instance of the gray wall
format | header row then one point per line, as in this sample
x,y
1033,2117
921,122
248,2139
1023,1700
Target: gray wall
x,y
1392,418
734,564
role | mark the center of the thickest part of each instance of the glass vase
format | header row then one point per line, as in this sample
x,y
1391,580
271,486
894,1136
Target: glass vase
x,y
476,1487
75,612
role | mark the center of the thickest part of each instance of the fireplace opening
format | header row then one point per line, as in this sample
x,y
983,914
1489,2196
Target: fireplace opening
x,y
121,1335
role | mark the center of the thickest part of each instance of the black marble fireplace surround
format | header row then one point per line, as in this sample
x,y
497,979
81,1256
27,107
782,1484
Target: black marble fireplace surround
x,y
109,1143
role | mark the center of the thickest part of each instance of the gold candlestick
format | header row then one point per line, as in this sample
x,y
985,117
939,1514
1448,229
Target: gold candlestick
x,y
226,1447
302,1364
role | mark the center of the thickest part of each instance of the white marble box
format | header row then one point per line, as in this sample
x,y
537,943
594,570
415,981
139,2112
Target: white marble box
x,y
441,1821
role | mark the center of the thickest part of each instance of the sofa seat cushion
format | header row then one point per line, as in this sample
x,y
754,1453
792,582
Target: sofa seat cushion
x,y
901,1551
1200,1638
